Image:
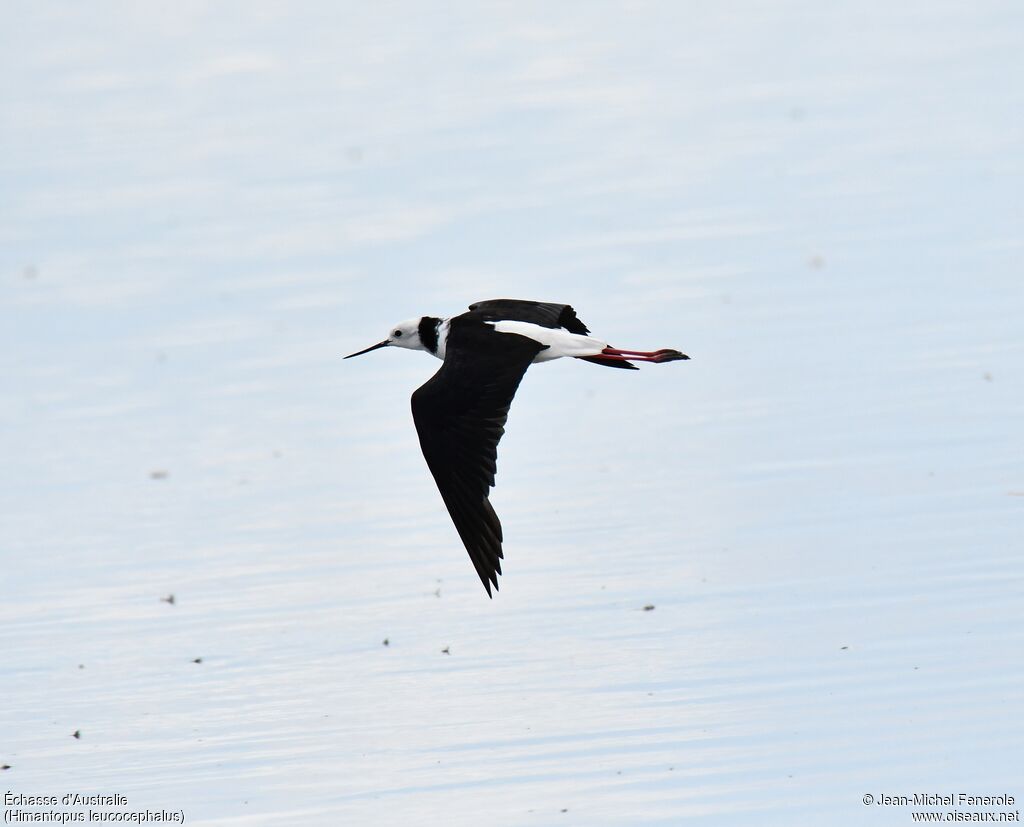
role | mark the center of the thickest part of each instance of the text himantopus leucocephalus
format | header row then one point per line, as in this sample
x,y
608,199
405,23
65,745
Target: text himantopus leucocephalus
x,y
460,412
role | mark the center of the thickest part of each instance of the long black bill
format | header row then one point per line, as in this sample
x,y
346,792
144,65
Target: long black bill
x,y
385,343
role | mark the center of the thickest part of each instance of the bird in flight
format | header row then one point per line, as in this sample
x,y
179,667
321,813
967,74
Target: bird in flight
x,y
460,412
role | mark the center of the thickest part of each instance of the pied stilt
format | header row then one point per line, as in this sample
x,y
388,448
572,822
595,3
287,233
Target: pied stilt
x,y
460,412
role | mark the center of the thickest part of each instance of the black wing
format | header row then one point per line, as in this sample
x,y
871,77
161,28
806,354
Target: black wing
x,y
460,415
545,315
540,313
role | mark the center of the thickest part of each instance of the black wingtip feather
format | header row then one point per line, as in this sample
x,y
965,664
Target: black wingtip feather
x,y
608,363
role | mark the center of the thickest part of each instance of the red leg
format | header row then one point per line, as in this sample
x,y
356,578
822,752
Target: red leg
x,y
663,355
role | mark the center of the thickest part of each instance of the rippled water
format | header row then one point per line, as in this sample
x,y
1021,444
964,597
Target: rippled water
x,y
205,205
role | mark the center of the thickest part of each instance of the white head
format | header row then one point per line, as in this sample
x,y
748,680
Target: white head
x,y
404,334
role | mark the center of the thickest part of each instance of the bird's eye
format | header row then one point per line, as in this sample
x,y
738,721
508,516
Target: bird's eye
x,y
398,334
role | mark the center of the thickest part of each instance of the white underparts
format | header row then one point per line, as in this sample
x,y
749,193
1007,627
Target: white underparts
x,y
559,342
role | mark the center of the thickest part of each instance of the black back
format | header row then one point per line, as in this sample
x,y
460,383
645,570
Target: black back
x,y
545,314
460,416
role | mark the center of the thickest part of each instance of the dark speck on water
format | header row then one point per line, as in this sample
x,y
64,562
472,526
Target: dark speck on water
x,y
649,607
197,660
168,599
386,642
76,734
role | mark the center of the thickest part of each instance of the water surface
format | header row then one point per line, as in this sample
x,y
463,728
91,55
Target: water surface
x,y
205,206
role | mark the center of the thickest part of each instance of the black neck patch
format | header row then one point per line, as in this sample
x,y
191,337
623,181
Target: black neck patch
x,y
428,332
